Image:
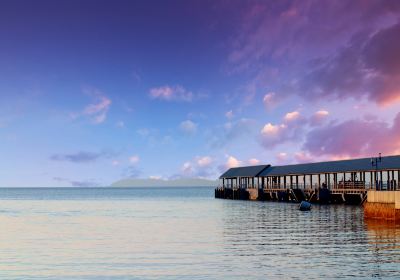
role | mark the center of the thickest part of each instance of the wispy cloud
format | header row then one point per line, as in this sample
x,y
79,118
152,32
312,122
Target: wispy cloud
x,y
199,167
171,93
130,169
96,111
156,177
77,183
231,131
120,124
270,100
188,127
131,172
136,76
81,157
285,48
229,115
154,137
368,66
134,159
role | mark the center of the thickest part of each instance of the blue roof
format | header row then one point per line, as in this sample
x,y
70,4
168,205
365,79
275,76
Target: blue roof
x,y
247,171
352,165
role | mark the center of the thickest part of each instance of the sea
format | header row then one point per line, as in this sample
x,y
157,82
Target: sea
x,y
185,233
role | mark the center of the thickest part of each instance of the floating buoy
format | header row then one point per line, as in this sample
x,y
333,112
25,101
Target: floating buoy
x,y
305,206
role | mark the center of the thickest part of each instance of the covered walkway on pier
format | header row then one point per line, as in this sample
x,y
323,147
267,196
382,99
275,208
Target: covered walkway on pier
x,y
353,175
243,177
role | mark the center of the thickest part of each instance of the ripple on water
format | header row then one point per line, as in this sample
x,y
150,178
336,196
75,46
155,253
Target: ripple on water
x,y
194,237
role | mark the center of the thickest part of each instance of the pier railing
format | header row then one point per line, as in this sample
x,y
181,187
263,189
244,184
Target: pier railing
x,y
348,186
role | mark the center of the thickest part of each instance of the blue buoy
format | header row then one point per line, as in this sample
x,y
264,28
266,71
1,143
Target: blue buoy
x,y
305,206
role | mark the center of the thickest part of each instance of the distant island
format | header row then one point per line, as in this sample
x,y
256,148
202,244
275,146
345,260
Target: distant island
x,y
184,182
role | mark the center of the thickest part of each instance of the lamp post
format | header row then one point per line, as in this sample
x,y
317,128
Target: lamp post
x,y
374,162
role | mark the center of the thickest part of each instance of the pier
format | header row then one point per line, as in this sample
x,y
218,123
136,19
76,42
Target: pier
x,y
344,181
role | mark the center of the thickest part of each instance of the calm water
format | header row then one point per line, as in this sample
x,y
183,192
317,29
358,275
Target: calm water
x,y
175,233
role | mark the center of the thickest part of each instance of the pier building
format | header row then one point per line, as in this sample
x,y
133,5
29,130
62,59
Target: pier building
x,y
342,181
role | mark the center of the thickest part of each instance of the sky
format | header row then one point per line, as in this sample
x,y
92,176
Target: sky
x,y
92,92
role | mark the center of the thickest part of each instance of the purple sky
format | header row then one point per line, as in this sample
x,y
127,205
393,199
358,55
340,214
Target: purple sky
x,y
95,91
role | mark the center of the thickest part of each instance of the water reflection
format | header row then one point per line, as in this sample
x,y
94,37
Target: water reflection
x,y
285,241
188,236
384,241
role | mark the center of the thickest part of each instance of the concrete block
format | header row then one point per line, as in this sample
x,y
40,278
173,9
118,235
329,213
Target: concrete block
x,y
397,200
381,196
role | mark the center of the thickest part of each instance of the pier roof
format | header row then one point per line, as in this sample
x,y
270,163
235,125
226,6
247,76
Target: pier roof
x,y
352,165
247,171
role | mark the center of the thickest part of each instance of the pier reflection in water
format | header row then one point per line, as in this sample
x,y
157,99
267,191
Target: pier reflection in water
x,y
186,234
384,241
328,242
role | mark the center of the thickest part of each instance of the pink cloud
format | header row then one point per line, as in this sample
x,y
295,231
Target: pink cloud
x,y
253,161
200,167
282,158
354,138
263,35
272,135
168,93
292,116
233,162
369,66
319,117
270,129
187,169
307,51
290,129
382,58
134,159
204,161
270,100
302,157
